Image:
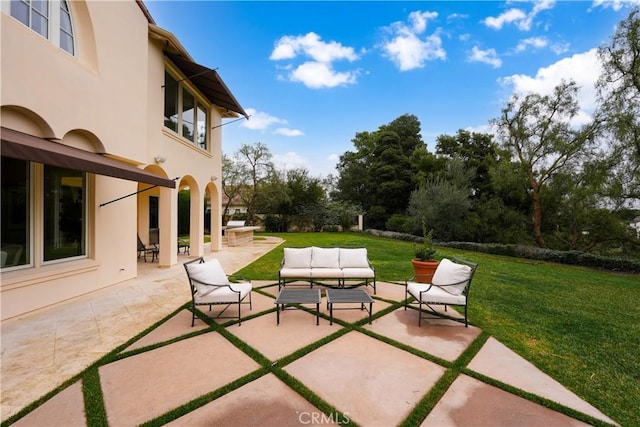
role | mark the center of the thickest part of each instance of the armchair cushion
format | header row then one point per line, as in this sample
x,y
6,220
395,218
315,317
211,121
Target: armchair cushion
x,y
434,294
210,272
225,294
448,273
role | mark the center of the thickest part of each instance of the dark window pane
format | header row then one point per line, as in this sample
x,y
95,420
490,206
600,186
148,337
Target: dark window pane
x,y
40,24
15,233
65,20
188,114
64,213
42,6
20,11
170,102
66,42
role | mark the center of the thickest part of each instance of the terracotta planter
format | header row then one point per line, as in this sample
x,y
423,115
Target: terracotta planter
x,y
424,270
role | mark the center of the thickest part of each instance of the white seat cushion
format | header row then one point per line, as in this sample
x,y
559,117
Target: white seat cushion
x,y
326,273
295,273
325,257
434,295
449,272
297,258
358,273
353,258
210,272
225,294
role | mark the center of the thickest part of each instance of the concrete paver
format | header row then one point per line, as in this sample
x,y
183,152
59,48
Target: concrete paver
x,y
470,402
371,382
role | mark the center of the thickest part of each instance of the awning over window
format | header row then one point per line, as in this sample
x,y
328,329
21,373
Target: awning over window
x,y
22,146
208,82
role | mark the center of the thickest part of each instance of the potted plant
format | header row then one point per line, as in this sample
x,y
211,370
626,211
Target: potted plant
x,y
424,263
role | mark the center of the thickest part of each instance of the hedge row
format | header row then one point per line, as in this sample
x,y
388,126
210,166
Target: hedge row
x,y
584,259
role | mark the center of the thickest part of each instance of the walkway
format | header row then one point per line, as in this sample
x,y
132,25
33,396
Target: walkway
x,y
371,375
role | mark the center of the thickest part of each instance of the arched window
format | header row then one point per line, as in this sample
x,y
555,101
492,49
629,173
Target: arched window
x,y
49,18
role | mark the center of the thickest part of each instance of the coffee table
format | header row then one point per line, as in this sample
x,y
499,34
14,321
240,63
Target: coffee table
x,y
298,296
343,296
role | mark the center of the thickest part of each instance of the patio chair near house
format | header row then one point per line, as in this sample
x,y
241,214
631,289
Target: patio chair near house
x,y
449,286
143,250
211,286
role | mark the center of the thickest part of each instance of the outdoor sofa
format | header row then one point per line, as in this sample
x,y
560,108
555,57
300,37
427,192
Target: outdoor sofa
x,y
314,264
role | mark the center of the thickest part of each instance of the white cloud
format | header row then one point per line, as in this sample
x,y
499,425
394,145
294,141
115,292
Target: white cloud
x,y
419,20
616,4
511,15
260,120
319,71
516,16
488,56
290,160
583,68
533,42
317,75
407,48
288,132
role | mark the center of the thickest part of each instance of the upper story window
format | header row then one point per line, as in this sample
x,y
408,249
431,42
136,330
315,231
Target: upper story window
x,y
49,18
184,113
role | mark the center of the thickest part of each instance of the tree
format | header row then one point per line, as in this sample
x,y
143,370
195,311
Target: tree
x,y
619,95
379,176
257,161
478,151
234,178
538,129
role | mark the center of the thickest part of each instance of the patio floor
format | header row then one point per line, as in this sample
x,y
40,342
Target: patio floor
x,y
369,375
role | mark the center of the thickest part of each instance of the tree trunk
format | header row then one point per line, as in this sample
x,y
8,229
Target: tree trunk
x,y
536,220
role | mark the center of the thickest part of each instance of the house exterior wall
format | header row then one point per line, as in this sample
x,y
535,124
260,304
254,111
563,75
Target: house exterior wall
x,y
108,98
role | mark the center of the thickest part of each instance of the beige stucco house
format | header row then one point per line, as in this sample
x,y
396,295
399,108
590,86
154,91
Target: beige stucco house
x,y
105,117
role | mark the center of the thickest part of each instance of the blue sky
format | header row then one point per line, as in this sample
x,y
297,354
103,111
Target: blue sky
x,y
313,74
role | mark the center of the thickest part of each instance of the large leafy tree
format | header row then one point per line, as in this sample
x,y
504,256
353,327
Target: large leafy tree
x,y
378,176
538,129
619,95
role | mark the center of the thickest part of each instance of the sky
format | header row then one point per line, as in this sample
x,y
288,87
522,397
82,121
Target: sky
x,y
313,74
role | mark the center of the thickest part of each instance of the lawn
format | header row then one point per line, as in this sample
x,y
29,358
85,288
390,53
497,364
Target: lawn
x,y
581,326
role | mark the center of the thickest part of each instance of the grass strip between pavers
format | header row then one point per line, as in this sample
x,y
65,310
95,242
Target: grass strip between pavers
x,y
96,413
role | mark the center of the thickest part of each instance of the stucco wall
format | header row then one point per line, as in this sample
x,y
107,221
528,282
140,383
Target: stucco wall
x,y
108,98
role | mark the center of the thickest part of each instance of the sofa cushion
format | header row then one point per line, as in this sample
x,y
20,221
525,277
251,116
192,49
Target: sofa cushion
x,y
353,258
325,257
297,258
295,273
210,272
358,273
449,272
326,273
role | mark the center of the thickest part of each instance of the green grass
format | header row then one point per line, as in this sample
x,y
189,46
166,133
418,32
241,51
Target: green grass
x,y
581,326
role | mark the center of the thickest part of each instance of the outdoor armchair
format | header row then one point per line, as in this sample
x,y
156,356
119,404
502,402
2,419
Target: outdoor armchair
x,y
211,286
450,286
143,250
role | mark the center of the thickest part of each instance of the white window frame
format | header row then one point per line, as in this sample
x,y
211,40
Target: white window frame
x,y
53,27
200,104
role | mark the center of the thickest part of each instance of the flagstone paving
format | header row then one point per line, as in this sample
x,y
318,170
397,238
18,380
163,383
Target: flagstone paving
x,y
370,375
